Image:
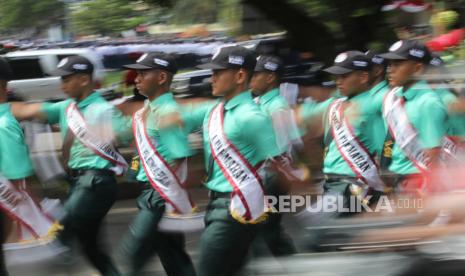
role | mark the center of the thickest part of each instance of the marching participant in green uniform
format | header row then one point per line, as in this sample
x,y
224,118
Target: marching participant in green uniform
x,y
163,149
350,124
15,167
238,137
412,109
86,122
265,84
455,133
379,88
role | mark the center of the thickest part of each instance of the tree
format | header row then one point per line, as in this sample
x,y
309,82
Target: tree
x,y
105,17
162,3
328,26
23,14
200,12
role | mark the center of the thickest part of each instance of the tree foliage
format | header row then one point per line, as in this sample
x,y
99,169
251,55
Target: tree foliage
x,y
194,11
23,14
328,26
105,17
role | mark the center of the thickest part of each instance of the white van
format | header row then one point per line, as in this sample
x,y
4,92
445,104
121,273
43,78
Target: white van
x,y
32,80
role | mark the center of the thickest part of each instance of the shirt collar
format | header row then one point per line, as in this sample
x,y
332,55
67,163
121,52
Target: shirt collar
x,y
89,99
161,100
238,99
268,96
360,95
413,91
375,89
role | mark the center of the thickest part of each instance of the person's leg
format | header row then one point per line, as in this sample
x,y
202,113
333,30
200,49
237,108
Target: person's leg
x,y
225,242
3,271
91,198
140,243
93,248
314,215
271,233
173,255
137,245
274,236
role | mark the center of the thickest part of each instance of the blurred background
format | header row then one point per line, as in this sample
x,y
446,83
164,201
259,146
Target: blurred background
x,y
307,34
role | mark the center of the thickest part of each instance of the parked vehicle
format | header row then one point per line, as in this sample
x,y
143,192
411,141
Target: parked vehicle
x,y
32,80
192,84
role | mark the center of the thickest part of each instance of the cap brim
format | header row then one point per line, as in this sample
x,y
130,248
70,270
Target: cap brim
x,y
212,66
392,56
338,70
257,70
136,66
61,73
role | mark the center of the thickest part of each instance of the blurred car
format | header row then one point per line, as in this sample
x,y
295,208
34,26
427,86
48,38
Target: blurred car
x,y
192,84
32,80
196,83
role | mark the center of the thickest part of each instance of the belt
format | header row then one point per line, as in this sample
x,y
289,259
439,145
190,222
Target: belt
x,y
339,177
214,195
80,172
394,179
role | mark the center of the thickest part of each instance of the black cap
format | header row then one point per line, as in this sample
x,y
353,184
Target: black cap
x,y
232,57
349,61
375,58
314,78
5,70
320,78
73,65
271,64
155,60
408,50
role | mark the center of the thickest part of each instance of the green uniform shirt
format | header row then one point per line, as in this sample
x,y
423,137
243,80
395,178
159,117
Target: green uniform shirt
x,y
99,116
427,114
172,142
366,121
367,125
272,103
379,128
455,122
14,156
245,125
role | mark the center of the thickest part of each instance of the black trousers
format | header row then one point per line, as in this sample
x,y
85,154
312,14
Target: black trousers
x,y
143,240
3,271
90,198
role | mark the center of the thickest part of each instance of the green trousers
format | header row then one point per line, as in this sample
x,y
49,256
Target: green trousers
x,y
90,198
224,243
3,235
143,240
271,234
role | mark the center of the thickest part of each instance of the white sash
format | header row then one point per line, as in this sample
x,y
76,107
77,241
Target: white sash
x,y
451,150
19,206
247,201
402,131
351,149
158,171
78,126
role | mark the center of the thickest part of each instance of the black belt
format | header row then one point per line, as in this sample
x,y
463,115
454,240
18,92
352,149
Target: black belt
x,y
80,172
339,177
213,195
394,179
